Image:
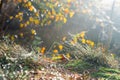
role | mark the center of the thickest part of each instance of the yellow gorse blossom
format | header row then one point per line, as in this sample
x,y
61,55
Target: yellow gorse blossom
x,y
20,18
33,32
12,38
82,34
92,44
21,34
31,8
31,19
71,14
88,41
11,17
29,3
53,12
83,41
43,50
52,17
68,55
19,1
60,47
16,16
64,20
27,22
49,22
37,14
57,18
20,13
66,10
55,51
36,21
21,25
73,42
57,57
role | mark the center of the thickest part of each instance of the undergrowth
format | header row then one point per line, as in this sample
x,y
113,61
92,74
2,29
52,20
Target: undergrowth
x,y
107,73
16,62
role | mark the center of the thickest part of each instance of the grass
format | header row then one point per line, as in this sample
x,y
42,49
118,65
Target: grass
x,y
78,66
99,64
107,73
104,73
16,62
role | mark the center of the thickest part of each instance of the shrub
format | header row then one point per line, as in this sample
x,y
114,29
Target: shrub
x,y
19,14
95,56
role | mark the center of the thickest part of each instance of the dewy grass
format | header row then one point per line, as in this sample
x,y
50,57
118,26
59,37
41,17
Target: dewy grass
x,y
107,73
78,65
15,61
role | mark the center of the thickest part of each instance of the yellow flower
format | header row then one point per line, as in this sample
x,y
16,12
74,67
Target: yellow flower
x,y
52,17
12,38
57,57
27,22
61,18
49,13
37,14
55,51
71,14
92,44
21,34
83,41
31,8
43,50
31,19
66,10
20,18
53,12
21,25
16,16
60,47
68,55
49,22
57,18
20,13
72,42
11,17
88,41
29,3
36,21
64,20
19,1
75,39
82,34
33,32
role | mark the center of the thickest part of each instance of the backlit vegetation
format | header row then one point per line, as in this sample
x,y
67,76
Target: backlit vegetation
x,y
24,57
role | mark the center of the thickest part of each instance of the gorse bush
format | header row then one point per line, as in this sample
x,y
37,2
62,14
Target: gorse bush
x,y
26,15
87,52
